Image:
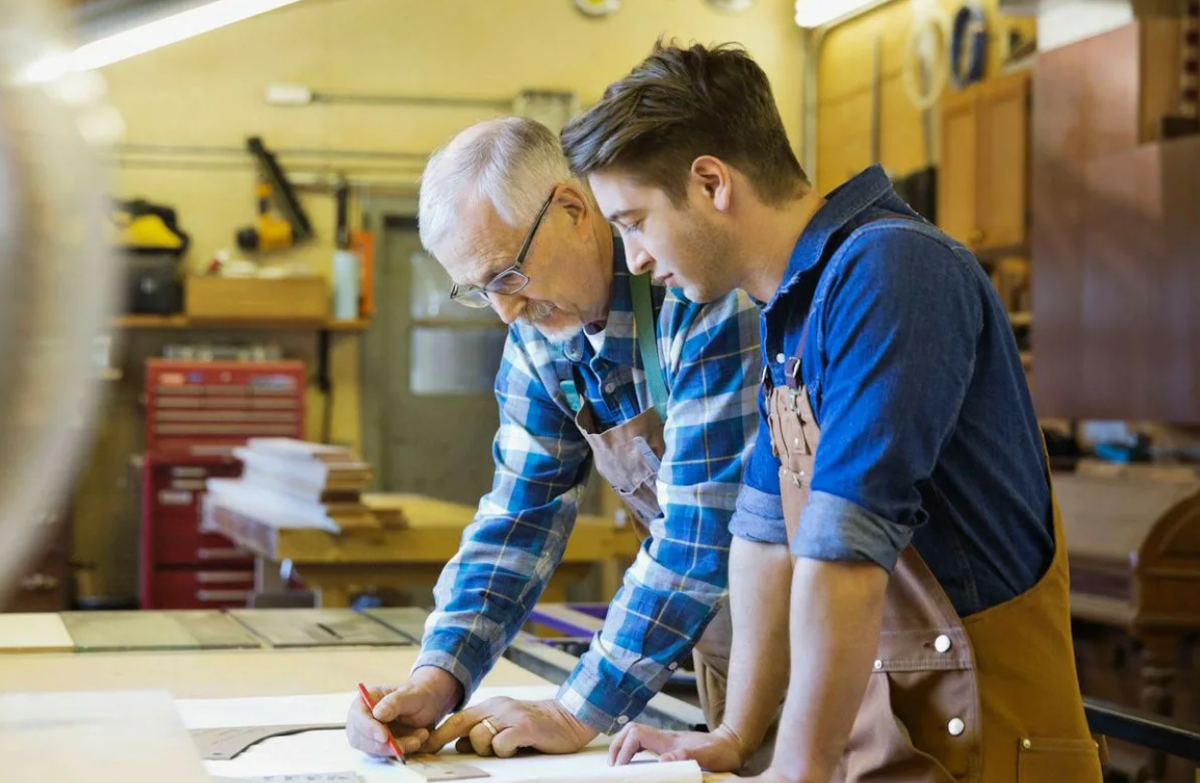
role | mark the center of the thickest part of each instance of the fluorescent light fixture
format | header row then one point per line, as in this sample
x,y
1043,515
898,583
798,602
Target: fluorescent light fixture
x,y
814,13
151,35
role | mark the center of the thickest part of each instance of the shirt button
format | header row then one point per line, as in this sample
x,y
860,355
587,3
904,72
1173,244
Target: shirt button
x,y
955,727
779,357
673,666
622,720
878,664
942,643
609,388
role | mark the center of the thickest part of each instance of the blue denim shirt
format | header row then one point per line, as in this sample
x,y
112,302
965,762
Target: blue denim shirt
x,y
928,432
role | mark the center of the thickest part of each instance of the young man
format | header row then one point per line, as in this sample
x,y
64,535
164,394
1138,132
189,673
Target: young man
x,y
898,459
599,365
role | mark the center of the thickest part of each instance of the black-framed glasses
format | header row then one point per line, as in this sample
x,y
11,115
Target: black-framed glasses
x,y
508,282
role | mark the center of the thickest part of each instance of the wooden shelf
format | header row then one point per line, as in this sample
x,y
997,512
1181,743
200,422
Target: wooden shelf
x,y
184,322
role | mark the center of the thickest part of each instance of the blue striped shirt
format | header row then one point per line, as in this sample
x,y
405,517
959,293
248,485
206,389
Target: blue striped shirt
x,y
711,363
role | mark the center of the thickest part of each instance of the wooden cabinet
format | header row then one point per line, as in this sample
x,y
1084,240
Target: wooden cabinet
x,y
1116,224
983,175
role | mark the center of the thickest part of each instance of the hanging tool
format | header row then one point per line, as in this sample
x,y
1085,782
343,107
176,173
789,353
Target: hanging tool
x,y
968,45
282,221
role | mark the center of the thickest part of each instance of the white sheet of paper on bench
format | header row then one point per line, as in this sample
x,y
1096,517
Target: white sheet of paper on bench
x,y
328,751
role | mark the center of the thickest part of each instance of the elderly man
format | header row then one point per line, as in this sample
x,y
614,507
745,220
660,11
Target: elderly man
x,y
598,365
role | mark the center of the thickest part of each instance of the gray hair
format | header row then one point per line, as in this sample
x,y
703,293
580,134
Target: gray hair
x,y
513,164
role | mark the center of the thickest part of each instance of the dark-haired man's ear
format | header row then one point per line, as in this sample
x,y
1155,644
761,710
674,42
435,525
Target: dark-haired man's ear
x,y
713,177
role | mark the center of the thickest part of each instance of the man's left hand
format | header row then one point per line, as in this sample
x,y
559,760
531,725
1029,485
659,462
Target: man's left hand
x,y
502,726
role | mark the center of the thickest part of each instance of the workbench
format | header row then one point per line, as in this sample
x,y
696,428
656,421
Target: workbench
x,y
111,663
410,555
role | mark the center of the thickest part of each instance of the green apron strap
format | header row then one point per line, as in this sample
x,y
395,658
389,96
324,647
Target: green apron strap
x,y
647,339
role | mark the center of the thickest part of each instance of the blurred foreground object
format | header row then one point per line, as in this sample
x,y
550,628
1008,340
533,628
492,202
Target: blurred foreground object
x,y
56,278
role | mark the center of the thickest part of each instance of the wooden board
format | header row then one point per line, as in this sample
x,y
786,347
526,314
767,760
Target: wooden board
x,y
34,633
405,619
221,674
319,628
95,631
1109,517
130,737
215,630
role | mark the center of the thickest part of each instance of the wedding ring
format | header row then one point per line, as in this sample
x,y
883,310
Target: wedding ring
x,y
488,724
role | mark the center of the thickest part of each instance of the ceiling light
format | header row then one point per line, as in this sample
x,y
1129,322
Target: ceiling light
x,y
152,35
814,13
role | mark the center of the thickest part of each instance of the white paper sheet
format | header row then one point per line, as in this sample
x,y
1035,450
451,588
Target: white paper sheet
x,y
328,751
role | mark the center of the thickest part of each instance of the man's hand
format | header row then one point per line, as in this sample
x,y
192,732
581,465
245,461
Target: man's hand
x,y
718,751
540,725
410,711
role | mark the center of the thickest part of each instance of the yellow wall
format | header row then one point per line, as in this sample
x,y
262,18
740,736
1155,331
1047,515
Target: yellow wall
x,y
209,91
844,91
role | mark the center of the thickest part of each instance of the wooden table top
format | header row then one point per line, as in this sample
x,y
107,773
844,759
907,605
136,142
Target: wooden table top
x,y
225,674
432,535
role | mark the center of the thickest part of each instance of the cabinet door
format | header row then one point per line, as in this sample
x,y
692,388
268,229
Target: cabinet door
x,y
1002,113
957,167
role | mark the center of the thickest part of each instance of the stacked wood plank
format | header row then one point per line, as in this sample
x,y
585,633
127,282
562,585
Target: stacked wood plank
x,y
297,484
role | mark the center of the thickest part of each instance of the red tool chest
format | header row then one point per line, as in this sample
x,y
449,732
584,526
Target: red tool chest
x,y
196,412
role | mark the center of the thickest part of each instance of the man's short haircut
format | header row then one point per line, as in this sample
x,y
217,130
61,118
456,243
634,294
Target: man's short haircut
x,y
680,104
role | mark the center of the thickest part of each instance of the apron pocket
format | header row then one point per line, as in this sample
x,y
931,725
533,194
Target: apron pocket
x,y
1057,760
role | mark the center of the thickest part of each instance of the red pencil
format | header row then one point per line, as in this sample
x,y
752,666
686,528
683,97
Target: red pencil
x,y
366,697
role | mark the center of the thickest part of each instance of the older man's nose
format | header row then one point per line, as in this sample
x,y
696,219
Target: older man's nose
x,y
508,307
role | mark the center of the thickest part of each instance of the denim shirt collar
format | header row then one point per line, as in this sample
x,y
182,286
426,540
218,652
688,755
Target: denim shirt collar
x,y
843,204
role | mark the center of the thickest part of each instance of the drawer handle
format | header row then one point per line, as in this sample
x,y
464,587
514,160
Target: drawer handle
x,y
213,596
223,577
168,497
209,553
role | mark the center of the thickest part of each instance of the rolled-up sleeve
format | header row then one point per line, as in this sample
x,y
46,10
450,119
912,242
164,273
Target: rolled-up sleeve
x,y
759,512
899,324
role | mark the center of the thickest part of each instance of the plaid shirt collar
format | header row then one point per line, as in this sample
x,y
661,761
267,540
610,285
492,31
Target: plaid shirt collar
x,y
618,350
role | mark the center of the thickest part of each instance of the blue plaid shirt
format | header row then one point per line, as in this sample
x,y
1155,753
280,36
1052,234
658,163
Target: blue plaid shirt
x,y
711,363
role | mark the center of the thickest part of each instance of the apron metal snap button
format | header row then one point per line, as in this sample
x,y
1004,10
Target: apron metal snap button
x,y
956,727
942,643
779,357
878,665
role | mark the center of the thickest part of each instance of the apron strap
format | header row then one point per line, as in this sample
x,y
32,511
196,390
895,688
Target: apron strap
x,y
647,340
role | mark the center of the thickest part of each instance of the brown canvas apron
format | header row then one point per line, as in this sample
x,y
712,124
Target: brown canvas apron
x,y
990,697
627,457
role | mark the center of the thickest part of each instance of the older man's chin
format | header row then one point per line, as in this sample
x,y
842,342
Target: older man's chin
x,y
559,334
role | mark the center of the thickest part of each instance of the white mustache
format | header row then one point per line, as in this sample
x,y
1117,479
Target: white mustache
x,y
535,312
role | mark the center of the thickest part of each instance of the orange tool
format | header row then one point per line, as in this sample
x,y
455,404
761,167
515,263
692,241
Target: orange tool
x,y
366,697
